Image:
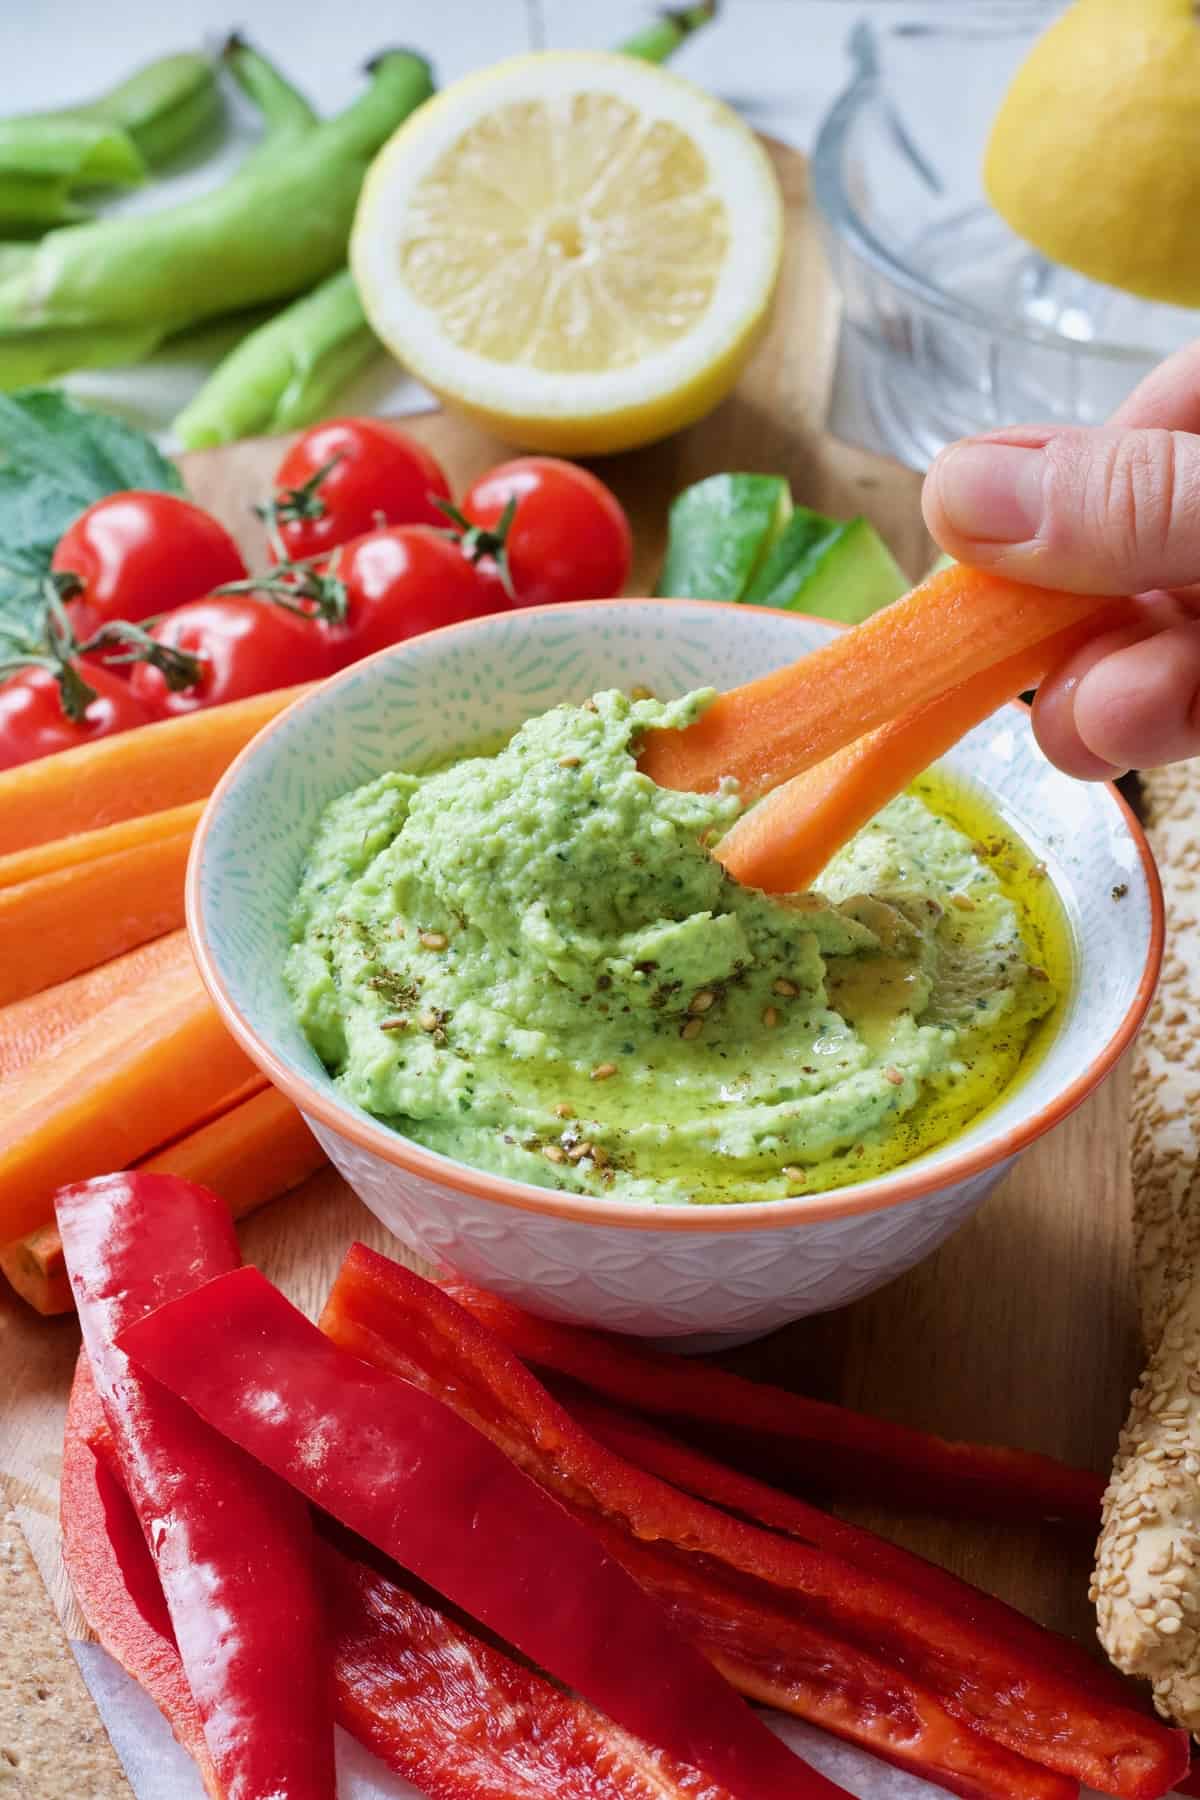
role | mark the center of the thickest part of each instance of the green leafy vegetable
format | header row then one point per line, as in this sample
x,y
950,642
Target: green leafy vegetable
x,y
56,458
720,530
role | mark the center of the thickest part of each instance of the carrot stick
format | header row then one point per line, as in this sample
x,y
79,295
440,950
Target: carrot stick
x,y
34,1268
218,1105
784,842
252,1153
87,846
249,1155
28,1028
116,1023
954,626
108,1097
68,920
140,771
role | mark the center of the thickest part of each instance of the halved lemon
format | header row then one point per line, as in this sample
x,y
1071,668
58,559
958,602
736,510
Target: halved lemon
x,y
576,249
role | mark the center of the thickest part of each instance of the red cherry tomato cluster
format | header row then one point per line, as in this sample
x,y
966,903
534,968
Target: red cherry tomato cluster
x,y
152,612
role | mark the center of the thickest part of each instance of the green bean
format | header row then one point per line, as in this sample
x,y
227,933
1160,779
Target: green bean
x,y
285,111
77,150
14,258
43,158
112,141
673,26
278,225
33,203
289,372
29,358
161,107
286,373
38,354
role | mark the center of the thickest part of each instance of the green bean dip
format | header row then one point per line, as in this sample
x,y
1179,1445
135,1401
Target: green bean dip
x,y
530,961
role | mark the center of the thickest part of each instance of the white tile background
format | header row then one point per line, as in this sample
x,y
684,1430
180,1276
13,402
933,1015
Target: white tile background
x,y
780,61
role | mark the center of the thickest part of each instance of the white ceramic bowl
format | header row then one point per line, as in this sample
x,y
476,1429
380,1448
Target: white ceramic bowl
x,y
705,1274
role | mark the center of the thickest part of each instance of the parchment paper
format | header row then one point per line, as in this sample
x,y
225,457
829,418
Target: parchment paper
x,y
159,1770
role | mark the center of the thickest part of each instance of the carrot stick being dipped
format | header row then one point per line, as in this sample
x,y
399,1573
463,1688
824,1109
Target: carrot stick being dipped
x,y
954,626
783,843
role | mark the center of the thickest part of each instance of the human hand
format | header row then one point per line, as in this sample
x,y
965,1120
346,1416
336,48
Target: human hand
x,y
1112,509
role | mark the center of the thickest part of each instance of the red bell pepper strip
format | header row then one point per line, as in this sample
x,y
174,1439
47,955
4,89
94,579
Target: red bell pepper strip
x,y
419,1483
453,1715
652,1449
787,1434
462,1721
771,1653
113,1573
233,1546
401,1672
387,1314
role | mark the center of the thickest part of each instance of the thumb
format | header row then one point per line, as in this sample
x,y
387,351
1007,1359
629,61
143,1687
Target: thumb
x,y
1100,511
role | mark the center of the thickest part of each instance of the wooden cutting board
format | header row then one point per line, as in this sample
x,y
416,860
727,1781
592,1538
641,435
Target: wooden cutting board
x,y
1021,1329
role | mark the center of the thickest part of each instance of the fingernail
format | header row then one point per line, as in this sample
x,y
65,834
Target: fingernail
x,y
991,492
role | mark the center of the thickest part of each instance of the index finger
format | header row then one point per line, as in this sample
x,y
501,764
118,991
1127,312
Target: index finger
x,y
1168,398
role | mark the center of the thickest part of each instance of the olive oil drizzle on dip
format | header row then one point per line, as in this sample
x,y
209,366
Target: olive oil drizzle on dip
x,y
1047,944
530,961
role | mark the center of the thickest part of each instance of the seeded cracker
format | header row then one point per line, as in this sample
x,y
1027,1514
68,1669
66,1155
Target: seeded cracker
x,y
1147,1582
53,1745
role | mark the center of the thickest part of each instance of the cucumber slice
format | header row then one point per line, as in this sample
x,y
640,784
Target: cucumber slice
x,y
719,533
839,569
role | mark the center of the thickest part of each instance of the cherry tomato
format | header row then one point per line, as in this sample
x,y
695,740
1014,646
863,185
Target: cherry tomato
x,y
138,554
34,722
243,646
401,582
569,538
370,474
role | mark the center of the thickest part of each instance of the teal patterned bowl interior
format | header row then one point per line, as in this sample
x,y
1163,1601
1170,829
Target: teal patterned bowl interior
x,y
451,690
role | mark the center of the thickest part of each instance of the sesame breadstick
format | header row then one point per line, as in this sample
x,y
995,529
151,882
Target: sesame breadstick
x,y
1165,1106
1146,1587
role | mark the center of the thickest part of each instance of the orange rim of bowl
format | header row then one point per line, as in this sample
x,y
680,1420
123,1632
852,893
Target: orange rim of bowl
x,y
907,1182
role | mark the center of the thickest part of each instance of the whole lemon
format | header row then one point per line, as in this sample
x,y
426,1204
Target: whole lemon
x,y
1094,156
